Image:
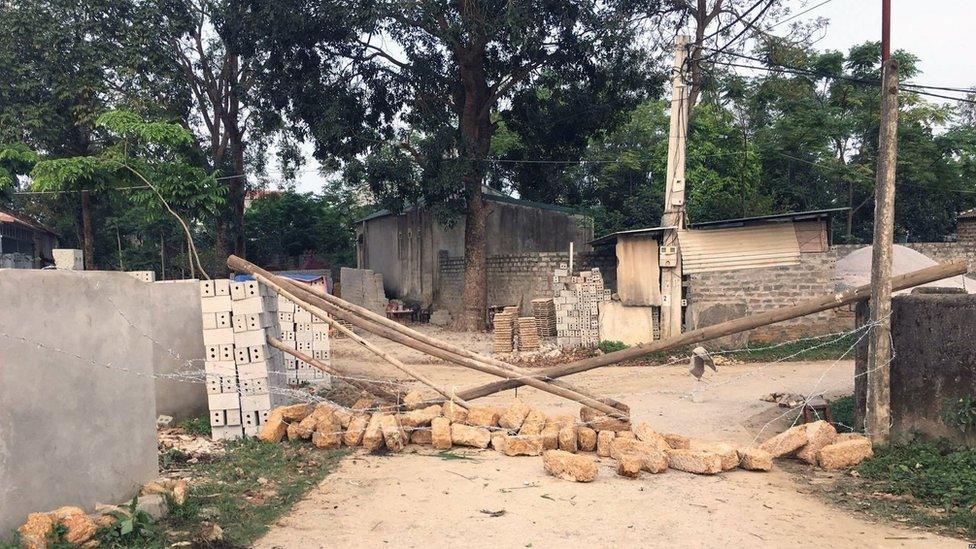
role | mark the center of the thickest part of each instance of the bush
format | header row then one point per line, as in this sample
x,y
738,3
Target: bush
x,y
612,346
197,426
938,473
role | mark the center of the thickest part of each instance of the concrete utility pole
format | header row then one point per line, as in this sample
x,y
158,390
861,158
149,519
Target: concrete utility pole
x,y
674,196
878,406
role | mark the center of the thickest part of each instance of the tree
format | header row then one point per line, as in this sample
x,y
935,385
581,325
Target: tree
x,y
64,63
146,155
452,65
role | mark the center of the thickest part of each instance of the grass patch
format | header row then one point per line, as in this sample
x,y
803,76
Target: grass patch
x,y
842,410
612,346
199,426
251,487
933,484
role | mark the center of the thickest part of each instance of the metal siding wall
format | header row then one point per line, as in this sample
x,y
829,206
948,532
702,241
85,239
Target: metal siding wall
x,y
731,249
638,274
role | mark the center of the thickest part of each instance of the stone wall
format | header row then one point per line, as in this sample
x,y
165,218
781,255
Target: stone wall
x,y
524,276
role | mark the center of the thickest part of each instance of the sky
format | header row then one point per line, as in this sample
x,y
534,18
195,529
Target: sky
x,y
940,32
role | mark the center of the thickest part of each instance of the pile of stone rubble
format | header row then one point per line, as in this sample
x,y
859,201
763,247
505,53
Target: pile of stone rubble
x,y
566,443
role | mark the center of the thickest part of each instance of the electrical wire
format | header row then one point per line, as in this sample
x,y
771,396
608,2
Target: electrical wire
x,y
792,17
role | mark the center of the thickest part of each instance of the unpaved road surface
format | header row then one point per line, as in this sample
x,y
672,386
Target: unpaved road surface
x,y
418,499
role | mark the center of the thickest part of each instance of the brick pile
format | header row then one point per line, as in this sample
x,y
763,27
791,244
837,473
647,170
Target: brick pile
x,y
306,333
528,333
577,307
544,311
569,445
502,335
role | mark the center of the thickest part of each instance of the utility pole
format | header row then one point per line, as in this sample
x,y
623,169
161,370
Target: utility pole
x,y
674,196
878,406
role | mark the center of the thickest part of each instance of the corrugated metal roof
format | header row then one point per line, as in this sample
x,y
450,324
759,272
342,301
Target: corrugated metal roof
x,y
736,248
489,194
792,216
612,237
8,216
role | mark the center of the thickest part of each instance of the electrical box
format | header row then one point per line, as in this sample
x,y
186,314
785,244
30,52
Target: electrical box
x,y
668,256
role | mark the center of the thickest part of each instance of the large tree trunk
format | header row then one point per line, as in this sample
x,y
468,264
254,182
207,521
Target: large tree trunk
x,y
88,235
475,129
221,250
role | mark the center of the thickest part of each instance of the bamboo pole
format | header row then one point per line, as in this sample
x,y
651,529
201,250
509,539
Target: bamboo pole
x,y
461,351
815,305
367,386
318,313
313,302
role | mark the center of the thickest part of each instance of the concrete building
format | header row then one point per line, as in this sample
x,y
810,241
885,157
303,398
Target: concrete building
x,y
24,243
408,248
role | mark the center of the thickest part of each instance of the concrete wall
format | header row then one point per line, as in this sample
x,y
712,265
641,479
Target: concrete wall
x,y
524,276
73,432
934,363
405,248
176,326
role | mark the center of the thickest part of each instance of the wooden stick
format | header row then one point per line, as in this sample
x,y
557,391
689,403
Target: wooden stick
x,y
815,305
368,386
309,300
460,351
318,313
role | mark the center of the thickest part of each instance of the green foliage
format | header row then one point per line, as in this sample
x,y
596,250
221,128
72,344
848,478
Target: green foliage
x,y
197,426
13,542
960,413
612,346
842,410
132,529
16,159
938,473
285,227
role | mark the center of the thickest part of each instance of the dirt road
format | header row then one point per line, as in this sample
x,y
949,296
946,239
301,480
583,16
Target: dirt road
x,y
422,500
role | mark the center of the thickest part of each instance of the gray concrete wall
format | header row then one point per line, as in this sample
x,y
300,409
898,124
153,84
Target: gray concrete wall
x,y
405,248
177,328
73,432
934,363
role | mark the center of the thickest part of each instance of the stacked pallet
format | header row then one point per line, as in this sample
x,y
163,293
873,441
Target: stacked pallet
x,y
503,334
577,307
544,311
528,333
303,332
219,366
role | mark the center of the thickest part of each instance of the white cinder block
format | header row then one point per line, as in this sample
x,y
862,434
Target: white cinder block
x,y
223,401
249,305
209,321
233,417
237,291
302,317
207,288
216,304
221,287
218,336
223,319
250,338
255,402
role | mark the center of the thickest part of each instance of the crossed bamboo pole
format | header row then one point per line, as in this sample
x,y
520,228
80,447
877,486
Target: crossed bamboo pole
x,y
306,298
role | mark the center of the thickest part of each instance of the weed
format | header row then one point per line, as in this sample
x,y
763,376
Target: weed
x,y
197,426
13,542
612,346
250,487
132,529
172,457
842,410
938,474
960,413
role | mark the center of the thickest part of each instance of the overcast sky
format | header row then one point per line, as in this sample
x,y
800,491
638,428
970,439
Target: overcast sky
x,y
940,32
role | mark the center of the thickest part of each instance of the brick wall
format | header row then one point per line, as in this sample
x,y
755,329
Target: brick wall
x,y
715,297
966,230
510,277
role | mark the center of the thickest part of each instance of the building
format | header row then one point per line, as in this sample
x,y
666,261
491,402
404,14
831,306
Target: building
x,y
771,248
25,243
409,248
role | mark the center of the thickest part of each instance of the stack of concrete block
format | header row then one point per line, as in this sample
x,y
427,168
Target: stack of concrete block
x,y
260,367
363,287
220,367
544,311
303,332
577,307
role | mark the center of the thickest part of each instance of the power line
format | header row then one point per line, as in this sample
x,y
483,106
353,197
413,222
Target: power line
x,y
901,183
72,191
792,17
